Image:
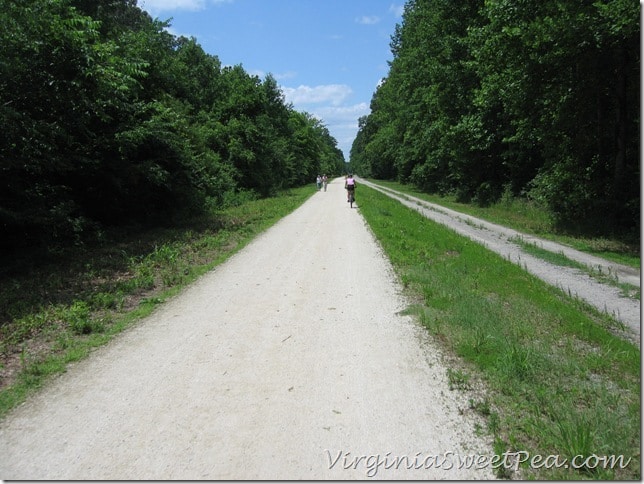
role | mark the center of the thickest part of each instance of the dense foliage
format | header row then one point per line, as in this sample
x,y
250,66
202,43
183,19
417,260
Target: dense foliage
x,y
109,119
536,98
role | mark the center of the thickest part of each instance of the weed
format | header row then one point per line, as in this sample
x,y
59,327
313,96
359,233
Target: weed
x,y
481,406
500,447
80,320
458,380
516,362
494,423
560,259
144,276
575,436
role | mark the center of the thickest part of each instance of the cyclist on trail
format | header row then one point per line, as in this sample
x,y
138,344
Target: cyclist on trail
x,y
350,187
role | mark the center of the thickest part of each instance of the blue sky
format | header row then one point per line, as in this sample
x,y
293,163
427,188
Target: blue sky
x,y
327,55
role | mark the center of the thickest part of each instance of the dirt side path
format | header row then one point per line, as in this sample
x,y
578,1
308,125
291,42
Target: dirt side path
x,y
603,297
289,361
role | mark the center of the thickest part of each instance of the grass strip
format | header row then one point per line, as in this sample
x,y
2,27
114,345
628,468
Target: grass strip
x,y
528,217
558,258
57,311
558,383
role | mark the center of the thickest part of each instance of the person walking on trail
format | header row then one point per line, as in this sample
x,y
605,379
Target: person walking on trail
x,y
325,181
350,186
318,182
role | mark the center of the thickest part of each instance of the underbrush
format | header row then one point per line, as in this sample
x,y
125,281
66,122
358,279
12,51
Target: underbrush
x,y
56,307
558,382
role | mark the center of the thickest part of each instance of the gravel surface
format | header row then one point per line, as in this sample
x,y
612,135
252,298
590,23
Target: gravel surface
x,y
604,297
289,361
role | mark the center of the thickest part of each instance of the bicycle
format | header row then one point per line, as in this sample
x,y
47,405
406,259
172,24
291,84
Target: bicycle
x,y
350,186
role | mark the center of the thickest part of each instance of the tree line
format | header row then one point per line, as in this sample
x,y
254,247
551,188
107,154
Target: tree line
x,y
521,98
109,119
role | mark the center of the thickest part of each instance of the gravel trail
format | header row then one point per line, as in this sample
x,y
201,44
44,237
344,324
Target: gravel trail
x,y
289,361
605,298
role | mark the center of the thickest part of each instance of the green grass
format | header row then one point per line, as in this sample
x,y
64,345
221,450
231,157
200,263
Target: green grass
x,y
55,309
527,217
557,381
558,258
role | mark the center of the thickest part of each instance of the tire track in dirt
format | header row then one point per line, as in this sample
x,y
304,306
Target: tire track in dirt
x,y
605,298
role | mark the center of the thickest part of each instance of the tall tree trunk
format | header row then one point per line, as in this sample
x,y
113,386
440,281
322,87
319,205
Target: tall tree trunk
x,y
622,120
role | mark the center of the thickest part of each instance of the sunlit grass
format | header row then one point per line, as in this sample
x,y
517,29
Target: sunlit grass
x,y
528,217
558,258
558,380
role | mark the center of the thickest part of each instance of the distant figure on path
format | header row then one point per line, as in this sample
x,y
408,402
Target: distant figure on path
x,y
350,186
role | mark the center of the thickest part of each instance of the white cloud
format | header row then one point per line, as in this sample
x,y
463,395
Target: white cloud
x,y
156,6
342,114
335,94
277,76
256,72
342,122
368,20
166,5
285,75
397,10
327,103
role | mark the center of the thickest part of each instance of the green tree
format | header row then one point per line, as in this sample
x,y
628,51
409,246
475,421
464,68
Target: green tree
x,y
563,73
111,119
303,160
538,97
54,68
